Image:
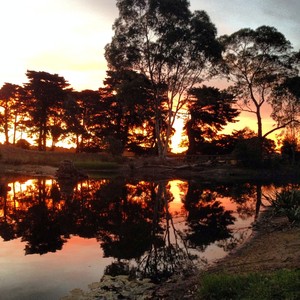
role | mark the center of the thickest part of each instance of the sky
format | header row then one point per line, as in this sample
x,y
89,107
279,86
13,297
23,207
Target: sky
x,y
67,37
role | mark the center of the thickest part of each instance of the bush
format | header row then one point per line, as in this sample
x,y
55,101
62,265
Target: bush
x,y
287,202
22,143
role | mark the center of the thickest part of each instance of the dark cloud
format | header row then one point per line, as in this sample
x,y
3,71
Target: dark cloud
x,y
282,10
230,16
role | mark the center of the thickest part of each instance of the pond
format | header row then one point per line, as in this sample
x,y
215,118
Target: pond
x,y
57,236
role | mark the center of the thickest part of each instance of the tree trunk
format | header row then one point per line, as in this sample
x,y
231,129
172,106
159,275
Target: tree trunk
x,y
191,138
40,147
6,125
15,129
259,135
169,128
159,143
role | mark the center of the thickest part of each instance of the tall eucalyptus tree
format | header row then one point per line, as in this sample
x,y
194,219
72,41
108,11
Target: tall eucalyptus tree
x,y
175,48
258,61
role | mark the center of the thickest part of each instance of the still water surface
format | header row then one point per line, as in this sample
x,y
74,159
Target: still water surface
x,y
57,236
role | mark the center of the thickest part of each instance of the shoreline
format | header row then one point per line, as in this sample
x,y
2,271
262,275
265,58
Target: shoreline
x,y
207,174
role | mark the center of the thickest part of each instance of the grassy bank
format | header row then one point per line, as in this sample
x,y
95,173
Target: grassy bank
x,y
282,284
10,155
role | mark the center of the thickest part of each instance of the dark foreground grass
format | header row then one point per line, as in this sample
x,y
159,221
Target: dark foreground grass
x,y
283,284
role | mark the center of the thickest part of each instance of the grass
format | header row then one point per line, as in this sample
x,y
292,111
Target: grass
x,y
92,161
96,165
283,284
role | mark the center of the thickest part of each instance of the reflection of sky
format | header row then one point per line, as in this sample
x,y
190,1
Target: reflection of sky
x,y
49,276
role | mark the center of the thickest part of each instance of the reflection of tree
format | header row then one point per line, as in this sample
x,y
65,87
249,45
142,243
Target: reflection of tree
x,y
244,195
125,232
6,228
40,227
41,231
168,253
208,221
136,224
132,220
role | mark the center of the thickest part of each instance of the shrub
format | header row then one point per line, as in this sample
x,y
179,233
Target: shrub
x,y
287,202
22,143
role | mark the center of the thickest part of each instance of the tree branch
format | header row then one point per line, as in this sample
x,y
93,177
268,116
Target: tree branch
x,y
279,127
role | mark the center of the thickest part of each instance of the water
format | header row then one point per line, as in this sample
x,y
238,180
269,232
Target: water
x,y
57,236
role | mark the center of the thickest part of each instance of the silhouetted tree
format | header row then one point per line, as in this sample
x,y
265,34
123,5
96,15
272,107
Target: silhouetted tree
x,y
10,101
45,93
288,95
257,61
84,111
169,44
289,149
210,110
130,113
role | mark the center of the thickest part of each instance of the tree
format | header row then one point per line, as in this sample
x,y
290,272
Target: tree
x,y
257,62
129,112
11,104
288,105
83,117
210,110
173,47
44,97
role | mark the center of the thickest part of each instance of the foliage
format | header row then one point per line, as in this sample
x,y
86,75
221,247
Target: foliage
x,y
283,284
287,202
13,109
85,114
130,114
249,151
210,110
174,48
289,149
289,94
22,143
44,101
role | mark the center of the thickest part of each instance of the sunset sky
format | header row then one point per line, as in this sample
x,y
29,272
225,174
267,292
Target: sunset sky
x,y
67,37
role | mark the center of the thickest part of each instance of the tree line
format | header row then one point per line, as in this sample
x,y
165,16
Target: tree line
x,y
160,58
